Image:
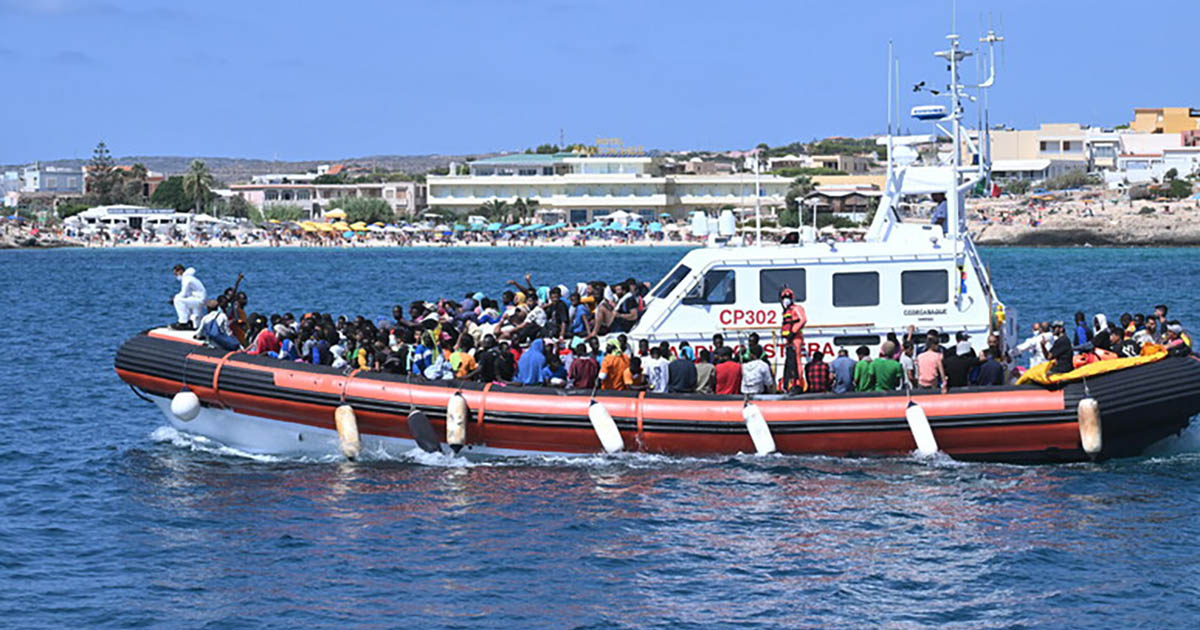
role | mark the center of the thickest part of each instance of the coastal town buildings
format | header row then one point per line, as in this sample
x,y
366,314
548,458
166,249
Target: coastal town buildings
x,y
583,187
1158,140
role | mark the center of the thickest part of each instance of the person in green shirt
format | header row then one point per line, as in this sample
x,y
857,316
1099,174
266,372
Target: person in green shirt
x,y
864,379
886,371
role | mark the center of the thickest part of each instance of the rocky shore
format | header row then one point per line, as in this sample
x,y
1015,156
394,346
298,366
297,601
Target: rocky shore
x,y
1105,220
21,237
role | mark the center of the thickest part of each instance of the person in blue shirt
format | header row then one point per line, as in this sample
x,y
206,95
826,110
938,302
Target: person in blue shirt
x,y
580,316
529,368
1082,334
843,372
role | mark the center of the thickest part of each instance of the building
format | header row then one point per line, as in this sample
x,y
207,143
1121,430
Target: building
x,y
853,203
1082,147
1185,160
37,178
849,164
789,161
699,166
1165,119
133,217
1032,170
584,187
405,198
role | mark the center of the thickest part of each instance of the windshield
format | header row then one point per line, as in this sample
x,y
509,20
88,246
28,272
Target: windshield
x,y
668,284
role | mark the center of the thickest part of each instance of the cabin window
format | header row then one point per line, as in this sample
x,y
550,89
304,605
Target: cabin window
x,y
856,289
772,281
925,287
672,280
716,287
856,340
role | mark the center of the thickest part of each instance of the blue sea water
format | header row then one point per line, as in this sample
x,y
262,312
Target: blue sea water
x,y
110,520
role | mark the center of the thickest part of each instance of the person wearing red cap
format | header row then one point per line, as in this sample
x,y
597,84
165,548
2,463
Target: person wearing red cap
x,y
794,320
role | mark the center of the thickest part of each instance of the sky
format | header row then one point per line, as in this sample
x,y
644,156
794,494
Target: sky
x,y
305,80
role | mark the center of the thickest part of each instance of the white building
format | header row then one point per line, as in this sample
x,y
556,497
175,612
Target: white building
x,y
37,178
133,217
1032,170
584,187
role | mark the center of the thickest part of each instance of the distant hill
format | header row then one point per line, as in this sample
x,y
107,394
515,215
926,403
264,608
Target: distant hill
x,y
234,170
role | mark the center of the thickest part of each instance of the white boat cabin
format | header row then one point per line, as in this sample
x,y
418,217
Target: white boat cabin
x,y
853,293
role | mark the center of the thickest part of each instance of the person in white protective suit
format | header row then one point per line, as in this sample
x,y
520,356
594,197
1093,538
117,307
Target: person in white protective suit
x,y
189,302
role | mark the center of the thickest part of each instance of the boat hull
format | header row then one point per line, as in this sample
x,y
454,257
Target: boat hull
x,y
262,405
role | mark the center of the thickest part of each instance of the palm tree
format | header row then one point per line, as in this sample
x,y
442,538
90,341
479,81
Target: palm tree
x,y
525,208
494,208
197,183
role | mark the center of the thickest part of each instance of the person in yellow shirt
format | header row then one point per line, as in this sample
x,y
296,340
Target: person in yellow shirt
x,y
462,361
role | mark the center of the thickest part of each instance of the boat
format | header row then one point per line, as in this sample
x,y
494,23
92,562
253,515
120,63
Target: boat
x,y
855,293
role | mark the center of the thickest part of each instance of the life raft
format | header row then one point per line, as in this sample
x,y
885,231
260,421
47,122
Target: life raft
x,y
258,404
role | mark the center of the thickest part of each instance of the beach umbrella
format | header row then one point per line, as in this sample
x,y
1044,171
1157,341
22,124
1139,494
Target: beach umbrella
x,y
636,226
459,227
655,227
617,226
533,227
348,234
392,228
665,215
341,226
513,228
335,214
358,226
375,227
494,227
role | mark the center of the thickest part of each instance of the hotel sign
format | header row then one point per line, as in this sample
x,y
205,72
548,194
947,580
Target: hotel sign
x,y
614,146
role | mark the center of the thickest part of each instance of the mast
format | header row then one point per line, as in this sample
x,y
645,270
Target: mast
x,y
757,200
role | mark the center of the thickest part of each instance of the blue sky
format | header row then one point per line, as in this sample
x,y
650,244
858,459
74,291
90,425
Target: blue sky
x,y
300,80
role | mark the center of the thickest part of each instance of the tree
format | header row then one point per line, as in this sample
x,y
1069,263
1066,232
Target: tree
x,y
237,207
792,214
70,209
169,194
545,149
330,179
1016,187
365,209
494,209
1171,174
132,184
197,184
102,176
524,208
283,212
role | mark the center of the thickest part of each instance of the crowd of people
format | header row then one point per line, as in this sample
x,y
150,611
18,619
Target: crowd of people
x,y
577,338
1085,342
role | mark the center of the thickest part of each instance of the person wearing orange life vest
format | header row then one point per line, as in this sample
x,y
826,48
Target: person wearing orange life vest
x,y
792,329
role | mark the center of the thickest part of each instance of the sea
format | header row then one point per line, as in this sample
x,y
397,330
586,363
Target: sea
x,y
110,519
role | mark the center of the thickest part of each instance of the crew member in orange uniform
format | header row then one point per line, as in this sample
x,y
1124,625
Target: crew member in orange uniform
x,y
794,320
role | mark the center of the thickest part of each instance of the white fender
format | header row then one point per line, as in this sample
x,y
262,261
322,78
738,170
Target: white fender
x,y
760,433
347,429
456,421
922,433
606,428
185,405
1090,429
